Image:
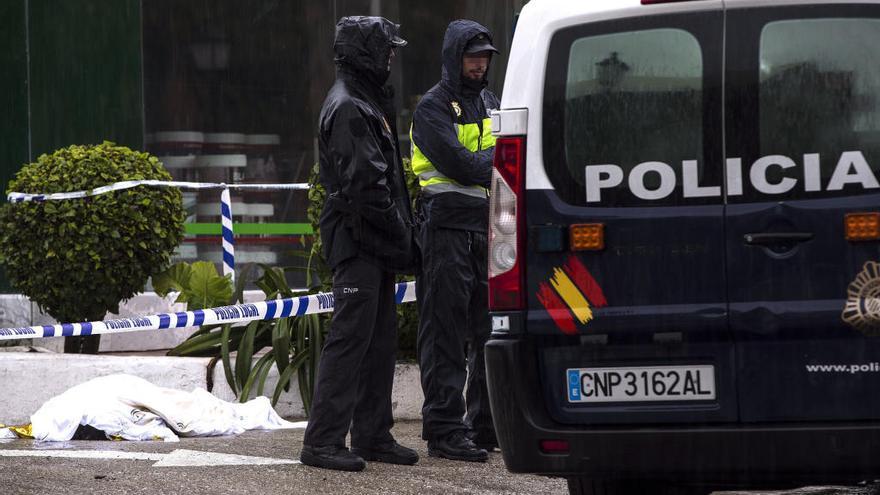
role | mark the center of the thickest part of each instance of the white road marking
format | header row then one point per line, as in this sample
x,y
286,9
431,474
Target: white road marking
x,y
85,454
183,457
179,457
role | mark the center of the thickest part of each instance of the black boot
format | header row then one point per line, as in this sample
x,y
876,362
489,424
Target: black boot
x,y
391,453
331,457
458,447
485,440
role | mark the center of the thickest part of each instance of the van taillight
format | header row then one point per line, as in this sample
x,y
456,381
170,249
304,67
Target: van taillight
x,y
506,217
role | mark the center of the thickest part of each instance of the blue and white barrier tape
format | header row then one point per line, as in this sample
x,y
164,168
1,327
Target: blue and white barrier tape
x,y
264,310
228,239
17,197
225,203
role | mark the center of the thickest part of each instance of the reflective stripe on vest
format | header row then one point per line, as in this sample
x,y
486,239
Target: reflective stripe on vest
x,y
432,181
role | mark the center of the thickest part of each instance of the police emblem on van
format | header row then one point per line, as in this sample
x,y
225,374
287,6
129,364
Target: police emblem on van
x,y
571,294
862,309
851,168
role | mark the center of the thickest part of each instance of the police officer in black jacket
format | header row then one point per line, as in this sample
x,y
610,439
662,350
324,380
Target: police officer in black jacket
x,y
367,233
452,148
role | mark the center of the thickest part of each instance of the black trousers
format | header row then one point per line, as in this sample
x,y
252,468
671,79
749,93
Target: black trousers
x,y
452,293
356,373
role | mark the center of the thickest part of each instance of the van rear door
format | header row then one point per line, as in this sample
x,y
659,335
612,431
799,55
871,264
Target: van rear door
x,y
634,332
803,151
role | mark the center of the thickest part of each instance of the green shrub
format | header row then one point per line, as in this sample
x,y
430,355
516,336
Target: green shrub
x,y
77,259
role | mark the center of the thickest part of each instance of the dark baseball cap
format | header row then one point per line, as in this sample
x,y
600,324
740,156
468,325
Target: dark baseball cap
x,y
480,43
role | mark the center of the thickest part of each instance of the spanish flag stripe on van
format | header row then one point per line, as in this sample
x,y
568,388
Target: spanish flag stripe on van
x,y
571,295
585,282
556,308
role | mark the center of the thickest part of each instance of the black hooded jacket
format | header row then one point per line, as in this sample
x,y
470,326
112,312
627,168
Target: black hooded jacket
x,y
367,211
434,133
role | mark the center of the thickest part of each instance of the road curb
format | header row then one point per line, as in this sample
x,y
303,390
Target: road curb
x,y
28,379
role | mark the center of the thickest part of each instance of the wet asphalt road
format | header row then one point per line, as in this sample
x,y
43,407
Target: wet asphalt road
x,y
42,475
21,475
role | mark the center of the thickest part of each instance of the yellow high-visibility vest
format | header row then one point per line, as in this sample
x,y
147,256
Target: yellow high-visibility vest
x,y
432,181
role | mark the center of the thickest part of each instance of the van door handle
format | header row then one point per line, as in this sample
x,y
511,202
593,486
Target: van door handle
x,y
768,238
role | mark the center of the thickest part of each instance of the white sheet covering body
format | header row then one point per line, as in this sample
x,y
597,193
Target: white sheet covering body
x,y
131,408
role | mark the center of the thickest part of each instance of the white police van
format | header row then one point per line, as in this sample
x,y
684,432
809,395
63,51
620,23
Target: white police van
x,y
684,252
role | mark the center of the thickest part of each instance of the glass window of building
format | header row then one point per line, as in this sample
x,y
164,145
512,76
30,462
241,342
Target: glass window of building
x,y
220,90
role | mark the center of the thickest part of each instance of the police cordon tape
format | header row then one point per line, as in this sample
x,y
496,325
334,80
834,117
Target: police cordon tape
x,y
228,240
265,310
17,197
238,313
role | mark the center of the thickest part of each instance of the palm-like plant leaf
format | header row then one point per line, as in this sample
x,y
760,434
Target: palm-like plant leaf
x,y
197,344
284,379
281,343
240,282
257,375
245,356
224,355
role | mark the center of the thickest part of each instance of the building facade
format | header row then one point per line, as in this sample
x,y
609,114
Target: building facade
x,y
220,90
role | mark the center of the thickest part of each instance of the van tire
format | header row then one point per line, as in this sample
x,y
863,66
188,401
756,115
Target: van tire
x,y
589,486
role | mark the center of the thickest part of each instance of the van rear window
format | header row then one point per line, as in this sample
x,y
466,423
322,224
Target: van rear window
x,y
625,116
633,110
818,106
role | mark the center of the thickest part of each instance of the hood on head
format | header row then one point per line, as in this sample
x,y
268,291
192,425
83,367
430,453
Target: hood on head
x,y
457,36
364,44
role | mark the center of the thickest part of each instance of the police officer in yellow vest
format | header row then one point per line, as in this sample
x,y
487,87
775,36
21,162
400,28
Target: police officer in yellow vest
x,y
452,149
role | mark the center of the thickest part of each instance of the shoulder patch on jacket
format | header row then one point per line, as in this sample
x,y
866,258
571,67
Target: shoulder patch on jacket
x,y
456,108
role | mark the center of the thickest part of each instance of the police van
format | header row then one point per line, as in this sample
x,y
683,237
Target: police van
x,y
684,252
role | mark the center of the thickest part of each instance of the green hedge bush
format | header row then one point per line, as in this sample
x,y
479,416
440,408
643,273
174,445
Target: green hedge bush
x,y
77,259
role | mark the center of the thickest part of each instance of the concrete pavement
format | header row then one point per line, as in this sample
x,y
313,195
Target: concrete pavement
x,y
140,468
27,379
69,476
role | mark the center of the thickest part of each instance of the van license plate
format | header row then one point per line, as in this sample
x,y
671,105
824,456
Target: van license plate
x,y
639,384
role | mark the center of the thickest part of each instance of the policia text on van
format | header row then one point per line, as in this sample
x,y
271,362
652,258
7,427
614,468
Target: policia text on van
x,y
684,240
851,168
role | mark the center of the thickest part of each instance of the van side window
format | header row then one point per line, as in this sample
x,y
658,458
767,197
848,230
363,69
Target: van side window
x,y
818,105
624,111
